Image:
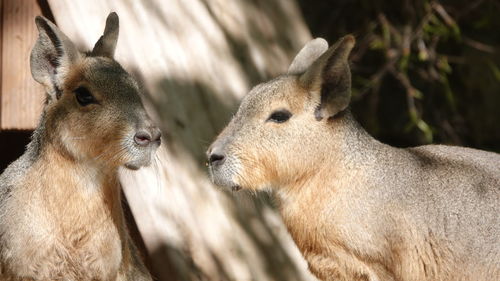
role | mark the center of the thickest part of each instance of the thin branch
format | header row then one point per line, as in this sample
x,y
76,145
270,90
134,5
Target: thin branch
x,y
377,76
472,6
443,13
478,45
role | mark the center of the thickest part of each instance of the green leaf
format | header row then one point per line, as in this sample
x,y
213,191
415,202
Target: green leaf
x,y
443,64
376,44
421,125
495,70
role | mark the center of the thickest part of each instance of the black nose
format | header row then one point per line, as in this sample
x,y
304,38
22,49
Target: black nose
x,y
216,159
142,138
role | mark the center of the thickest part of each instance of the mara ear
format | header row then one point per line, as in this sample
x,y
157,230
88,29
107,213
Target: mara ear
x,y
105,46
307,55
330,77
51,56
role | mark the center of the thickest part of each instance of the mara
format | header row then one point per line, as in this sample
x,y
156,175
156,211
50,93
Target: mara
x,y
60,208
359,209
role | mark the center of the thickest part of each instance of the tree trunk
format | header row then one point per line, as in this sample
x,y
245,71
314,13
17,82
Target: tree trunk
x,y
195,60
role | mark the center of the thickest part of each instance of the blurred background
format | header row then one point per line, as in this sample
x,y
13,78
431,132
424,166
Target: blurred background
x,y
423,72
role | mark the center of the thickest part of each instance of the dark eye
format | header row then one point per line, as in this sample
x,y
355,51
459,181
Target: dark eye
x,y
84,97
280,116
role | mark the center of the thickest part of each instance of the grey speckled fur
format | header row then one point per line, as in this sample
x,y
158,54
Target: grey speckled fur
x,y
359,209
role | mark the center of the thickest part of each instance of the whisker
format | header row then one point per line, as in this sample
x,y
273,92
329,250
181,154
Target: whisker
x,y
115,155
102,154
119,154
156,169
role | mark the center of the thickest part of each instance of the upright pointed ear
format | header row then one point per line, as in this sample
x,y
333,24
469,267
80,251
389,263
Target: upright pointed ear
x,y
307,55
51,56
330,77
105,46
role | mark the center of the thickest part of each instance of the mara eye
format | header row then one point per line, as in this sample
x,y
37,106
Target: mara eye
x,y
280,116
84,97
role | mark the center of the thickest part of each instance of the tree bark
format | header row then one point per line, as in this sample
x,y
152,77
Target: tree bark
x,y
195,60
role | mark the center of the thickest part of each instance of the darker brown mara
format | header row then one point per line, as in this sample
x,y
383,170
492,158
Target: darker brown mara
x,y
60,207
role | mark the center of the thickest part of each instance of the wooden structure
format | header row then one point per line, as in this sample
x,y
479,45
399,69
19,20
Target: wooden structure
x,y
195,59
21,97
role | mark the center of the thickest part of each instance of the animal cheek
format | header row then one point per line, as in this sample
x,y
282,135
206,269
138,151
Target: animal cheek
x,y
258,170
71,141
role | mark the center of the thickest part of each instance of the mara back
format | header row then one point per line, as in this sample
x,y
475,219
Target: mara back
x,y
359,209
60,207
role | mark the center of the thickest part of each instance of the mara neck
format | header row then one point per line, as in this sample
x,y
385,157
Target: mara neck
x,y
350,140
346,152
73,195
70,189
60,175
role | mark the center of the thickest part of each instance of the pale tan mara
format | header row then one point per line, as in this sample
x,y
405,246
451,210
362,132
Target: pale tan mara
x,y
359,209
61,216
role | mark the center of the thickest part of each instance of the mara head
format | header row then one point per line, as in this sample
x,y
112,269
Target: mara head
x,y
93,111
285,127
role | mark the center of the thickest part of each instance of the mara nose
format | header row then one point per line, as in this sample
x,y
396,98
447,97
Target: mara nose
x,y
215,159
144,138
215,155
